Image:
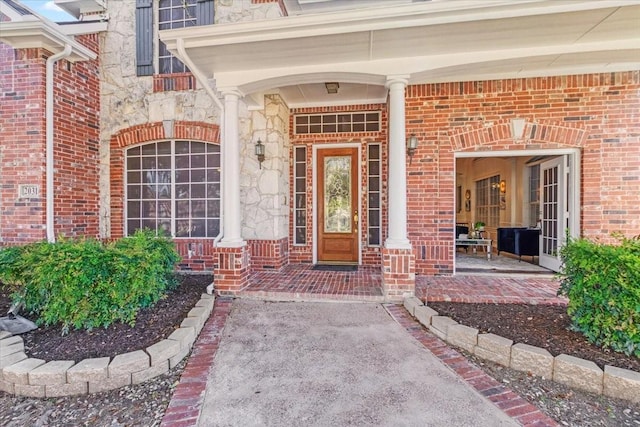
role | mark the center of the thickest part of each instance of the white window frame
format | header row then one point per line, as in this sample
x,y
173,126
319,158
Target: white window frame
x,y
173,199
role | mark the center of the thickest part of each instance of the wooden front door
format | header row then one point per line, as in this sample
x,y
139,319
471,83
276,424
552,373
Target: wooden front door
x,y
338,214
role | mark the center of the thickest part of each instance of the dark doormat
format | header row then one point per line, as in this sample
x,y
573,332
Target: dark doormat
x,y
329,267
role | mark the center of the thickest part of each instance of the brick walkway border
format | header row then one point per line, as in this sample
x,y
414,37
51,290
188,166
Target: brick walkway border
x,y
503,397
186,402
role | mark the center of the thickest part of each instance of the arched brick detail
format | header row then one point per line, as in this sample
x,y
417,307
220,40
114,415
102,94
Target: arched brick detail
x,y
196,131
537,135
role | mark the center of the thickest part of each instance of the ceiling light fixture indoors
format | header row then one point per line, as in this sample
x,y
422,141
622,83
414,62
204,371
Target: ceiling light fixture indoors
x,y
332,87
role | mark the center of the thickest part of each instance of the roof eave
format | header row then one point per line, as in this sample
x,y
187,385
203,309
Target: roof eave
x,y
38,34
371,19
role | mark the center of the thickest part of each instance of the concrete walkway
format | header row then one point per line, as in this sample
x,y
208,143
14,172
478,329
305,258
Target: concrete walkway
x,y
323,364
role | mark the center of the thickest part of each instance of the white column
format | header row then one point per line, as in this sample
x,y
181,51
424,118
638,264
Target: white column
x,y
397,184
232,237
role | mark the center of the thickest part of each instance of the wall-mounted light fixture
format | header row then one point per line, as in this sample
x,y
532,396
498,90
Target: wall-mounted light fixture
x,y
502,186
260,149
412,146
332,87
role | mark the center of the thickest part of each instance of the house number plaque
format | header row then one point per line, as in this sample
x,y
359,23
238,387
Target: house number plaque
x,y
28,191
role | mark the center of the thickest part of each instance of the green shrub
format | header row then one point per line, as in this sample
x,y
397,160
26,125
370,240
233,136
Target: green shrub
x,y
88,284
603,285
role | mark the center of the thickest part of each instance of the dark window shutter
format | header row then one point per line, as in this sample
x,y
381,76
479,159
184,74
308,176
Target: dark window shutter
x,y
144,37
204,12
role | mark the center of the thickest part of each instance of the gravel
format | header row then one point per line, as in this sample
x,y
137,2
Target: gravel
x,y
139,405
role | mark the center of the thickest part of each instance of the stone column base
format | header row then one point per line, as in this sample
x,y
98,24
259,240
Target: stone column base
x,y
231,273
398,274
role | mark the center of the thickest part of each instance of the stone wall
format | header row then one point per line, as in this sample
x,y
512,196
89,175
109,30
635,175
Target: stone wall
x,y
129,100
247,10
265,190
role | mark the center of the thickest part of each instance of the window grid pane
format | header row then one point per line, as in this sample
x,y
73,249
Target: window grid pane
x,y
300,196
337,122
374,211
174,15
488,201
176,194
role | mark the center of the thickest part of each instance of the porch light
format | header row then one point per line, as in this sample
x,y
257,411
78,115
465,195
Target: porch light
x,y
260,149
412,146
332,87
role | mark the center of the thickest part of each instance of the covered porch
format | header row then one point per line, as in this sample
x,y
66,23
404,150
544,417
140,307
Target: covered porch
x,y
378,56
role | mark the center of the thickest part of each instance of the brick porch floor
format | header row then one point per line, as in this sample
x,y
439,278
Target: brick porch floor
x,y
299,282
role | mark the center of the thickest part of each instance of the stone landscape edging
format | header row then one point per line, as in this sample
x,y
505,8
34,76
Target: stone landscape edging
x,y
24,376
572,371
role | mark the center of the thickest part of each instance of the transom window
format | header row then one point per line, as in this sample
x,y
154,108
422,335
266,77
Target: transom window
x,y
174,187
337,122
488,201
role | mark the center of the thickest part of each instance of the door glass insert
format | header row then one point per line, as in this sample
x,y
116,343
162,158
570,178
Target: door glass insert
x,y
337,194
550,207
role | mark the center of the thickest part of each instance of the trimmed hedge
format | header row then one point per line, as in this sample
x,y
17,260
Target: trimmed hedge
x,y
602,283
87,283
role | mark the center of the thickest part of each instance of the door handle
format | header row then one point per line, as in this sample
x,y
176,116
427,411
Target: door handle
x,y
355,220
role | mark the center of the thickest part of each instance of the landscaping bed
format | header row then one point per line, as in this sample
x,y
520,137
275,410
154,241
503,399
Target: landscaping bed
x,y
152,325
542,326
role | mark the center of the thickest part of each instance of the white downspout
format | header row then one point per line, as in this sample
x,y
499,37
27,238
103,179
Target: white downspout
x,y
202,80
51,237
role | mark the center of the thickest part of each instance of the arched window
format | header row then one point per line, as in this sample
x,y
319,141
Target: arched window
x,y
174,186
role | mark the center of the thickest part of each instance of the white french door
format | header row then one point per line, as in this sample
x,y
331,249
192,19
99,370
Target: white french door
x,y
554,215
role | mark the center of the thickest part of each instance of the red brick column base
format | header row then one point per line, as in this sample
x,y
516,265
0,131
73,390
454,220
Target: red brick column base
x,y
231,273
398,274
269,254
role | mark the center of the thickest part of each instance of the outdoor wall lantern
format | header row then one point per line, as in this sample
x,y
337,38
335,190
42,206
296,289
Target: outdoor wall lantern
x,y
260,149
412,146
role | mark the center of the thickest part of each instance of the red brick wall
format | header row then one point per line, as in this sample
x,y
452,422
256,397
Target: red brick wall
x,y
76,139
22,143
76,126
600,113
304,253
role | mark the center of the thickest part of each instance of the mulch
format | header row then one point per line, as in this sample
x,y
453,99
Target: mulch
x,y
153,324
544,326
539,325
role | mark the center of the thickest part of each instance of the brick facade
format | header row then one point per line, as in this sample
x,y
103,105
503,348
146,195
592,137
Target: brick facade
x,y
75,129
599,113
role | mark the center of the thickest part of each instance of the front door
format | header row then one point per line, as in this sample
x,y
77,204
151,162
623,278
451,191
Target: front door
x,y
338,215
554,215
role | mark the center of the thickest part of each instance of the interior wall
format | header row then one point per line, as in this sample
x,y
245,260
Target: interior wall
x,y
511,170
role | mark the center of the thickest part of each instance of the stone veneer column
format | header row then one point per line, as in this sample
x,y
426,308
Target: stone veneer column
x,y
398,260
232,254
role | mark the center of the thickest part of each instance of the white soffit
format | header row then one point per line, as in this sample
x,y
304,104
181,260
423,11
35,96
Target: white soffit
x,y
429,41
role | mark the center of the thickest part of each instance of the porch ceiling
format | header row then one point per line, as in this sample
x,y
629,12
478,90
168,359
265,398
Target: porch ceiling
x,y
426,42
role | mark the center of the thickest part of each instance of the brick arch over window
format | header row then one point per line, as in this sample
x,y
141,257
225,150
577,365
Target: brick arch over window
x,y
535,136
148,132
